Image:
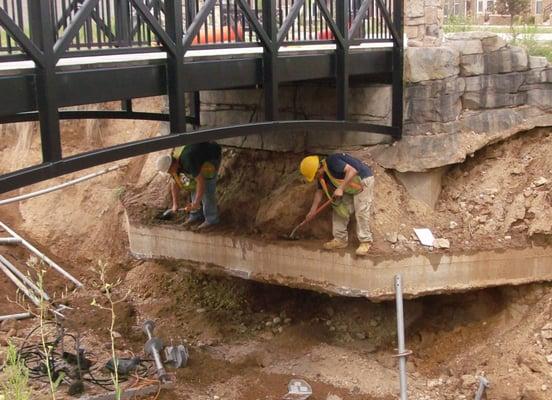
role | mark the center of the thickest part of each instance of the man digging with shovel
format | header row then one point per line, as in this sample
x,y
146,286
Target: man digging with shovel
x,y
194,168
349,184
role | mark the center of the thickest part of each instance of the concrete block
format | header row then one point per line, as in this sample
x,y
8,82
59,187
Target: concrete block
x,y
423,186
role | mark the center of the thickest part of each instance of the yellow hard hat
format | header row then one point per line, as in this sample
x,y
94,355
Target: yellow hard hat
x,y
309,166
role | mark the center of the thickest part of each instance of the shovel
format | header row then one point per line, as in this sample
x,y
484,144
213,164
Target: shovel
x,y
318,211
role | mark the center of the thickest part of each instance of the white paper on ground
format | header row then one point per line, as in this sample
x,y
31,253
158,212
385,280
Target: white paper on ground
x,y
424,236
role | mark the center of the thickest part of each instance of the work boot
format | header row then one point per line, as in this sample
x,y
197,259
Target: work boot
x,y
363,249
205,226
335,244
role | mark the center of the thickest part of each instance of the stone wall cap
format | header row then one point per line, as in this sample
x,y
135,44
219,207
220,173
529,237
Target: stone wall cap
x,y
470,35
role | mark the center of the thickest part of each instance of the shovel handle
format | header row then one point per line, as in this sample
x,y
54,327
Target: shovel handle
x,y
318,211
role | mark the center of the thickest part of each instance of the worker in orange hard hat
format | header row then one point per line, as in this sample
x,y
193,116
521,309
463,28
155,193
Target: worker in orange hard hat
x,y
349,184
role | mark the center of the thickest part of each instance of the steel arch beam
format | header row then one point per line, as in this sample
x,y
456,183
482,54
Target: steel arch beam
x,y
37,173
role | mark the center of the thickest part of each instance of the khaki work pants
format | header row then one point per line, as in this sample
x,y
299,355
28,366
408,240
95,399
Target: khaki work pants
x,y
360,205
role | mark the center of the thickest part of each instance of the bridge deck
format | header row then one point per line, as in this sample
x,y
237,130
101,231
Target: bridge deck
x,y
19,67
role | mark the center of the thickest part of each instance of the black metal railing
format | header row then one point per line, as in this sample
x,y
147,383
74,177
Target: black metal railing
x,y
118,26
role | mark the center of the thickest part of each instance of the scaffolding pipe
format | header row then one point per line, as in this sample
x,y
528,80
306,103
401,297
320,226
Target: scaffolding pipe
x,y
20,284
24,278
9,240
57,187
42,256
403,353
15,316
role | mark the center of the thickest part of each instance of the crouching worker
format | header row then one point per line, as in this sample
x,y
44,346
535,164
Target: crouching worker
x,y
194,168
349,184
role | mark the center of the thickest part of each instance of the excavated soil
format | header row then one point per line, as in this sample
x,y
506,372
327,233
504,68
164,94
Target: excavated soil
x,y
499,198
246,339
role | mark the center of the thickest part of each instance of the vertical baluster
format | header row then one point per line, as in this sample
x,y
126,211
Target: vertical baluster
x,y
244,21
304,11
109,22
221,26
8,37
309,7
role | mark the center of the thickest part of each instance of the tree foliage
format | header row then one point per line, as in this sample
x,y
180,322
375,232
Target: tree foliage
x,y
513,8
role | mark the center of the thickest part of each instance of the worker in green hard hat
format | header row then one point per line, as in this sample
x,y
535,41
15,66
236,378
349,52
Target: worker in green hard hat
x,y
195,168
349,184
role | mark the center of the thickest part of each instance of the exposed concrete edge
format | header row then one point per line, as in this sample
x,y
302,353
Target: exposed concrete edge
x,y
420,153
289,264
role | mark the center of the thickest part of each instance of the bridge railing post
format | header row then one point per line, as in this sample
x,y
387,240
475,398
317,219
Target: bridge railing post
x,y
42,34
398,54
342,60
122,23
270,60
175,66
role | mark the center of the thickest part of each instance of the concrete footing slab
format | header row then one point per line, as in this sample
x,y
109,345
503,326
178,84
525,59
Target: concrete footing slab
x,y
304,265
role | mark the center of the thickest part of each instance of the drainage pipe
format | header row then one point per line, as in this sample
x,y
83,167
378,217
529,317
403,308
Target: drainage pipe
x,y
403,353
23,278
57,187
19,284
15,316
9,240
42,256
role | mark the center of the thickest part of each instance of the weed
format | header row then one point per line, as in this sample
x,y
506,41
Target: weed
x,y
15,379
107,289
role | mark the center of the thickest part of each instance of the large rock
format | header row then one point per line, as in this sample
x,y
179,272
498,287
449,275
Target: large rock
x,y
463,137
414,8
492,99
489,41
472,64
506,60
540,95
428,63
537,62
471,46
440,109
508,83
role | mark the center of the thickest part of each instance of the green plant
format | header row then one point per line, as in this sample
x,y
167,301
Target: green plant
x,y
458,23
15,377
107,289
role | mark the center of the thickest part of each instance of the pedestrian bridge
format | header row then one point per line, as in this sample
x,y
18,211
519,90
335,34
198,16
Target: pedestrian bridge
x,y
56,54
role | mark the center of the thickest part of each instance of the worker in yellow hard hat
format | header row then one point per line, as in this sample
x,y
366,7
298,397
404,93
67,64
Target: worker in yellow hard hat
x,y
349,184
194,168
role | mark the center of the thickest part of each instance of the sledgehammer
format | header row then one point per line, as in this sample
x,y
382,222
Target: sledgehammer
x,y
318,211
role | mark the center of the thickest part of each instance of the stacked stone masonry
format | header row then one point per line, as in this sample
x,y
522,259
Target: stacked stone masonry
x,y
472,90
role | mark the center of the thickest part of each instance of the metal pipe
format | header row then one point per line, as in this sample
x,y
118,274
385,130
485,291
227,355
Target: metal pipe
x,y
9,240
42,256
19,284
400,336
57,187
15,316
25,279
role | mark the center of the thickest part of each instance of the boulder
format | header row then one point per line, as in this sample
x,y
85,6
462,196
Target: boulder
x,y
507,83
472,64
540,95
492,99
428,63
472,46
537,62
